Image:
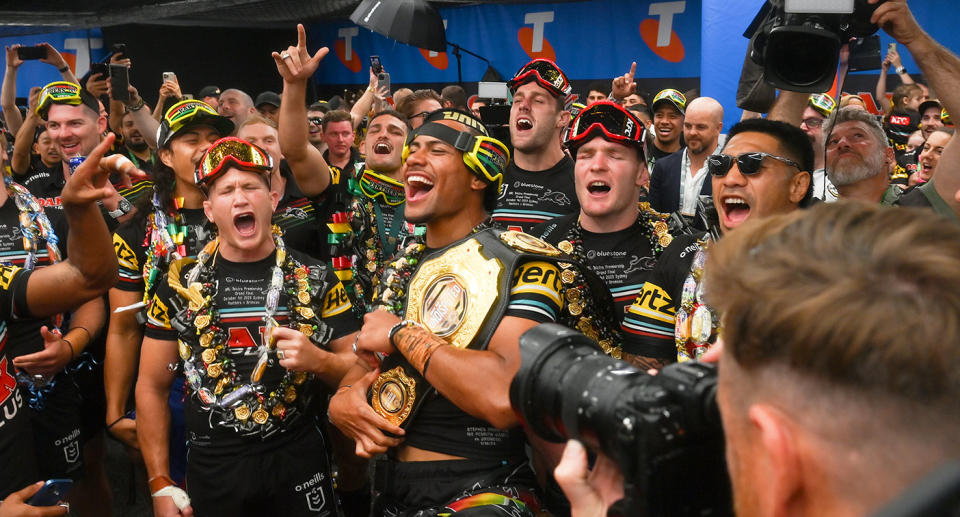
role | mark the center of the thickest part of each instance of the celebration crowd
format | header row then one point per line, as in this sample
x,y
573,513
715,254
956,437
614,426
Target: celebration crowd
x,y
283,308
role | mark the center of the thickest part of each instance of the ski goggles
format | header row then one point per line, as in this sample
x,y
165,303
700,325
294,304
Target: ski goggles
x,y
64,92
607,120
187,113
823,103
486,157
672,96
747,163
232,152
546,73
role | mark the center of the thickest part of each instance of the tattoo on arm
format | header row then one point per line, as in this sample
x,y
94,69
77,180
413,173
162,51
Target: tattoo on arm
x,y
417,344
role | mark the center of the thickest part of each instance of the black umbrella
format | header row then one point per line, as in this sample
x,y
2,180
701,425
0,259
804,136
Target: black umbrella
x,y
414,22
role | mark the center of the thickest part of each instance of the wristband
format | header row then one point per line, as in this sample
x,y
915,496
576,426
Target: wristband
x,y
419,352
180,498
135,107
901,70
69,344
396,328
158,483
64,69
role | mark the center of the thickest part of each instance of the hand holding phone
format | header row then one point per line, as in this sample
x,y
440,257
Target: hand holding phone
x,y
52,492
383,81
119,82
375,64
34,52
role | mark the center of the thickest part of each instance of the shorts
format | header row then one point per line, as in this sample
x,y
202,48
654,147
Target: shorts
x,y
292,480
461,487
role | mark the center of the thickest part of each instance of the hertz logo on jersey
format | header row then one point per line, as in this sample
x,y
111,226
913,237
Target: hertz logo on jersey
x,y
125,255
538,277
6,276
653,302
335,302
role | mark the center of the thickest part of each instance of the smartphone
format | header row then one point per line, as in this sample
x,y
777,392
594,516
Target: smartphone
x,y
34,52
100,68
375,64
52,492
169,76
383,80
118,48
119,82
891,46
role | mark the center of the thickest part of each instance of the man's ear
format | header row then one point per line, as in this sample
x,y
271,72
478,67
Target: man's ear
x,y
208,210
563,119
799,184
477,183
779,463
274,199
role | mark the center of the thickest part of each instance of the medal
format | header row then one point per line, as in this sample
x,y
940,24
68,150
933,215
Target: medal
x,y
565,247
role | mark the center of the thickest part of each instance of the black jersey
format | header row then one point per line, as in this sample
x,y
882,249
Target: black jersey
x,y
532,197
240,300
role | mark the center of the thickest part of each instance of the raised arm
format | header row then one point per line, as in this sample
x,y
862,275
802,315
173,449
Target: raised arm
x,y
296,66
365,102
23,144
55,59
89,271
8,93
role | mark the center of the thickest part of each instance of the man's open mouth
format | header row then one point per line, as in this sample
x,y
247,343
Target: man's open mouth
x,y
736,209
382,148
598,187
524,124
418,186
245,224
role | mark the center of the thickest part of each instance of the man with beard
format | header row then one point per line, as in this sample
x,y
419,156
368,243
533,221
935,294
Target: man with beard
x,y
253,325
135,146
538,184
364,204
315,113
668,109
479,288
678,180
763,169
859,157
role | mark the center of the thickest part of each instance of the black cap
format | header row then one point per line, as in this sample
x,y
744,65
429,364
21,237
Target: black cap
x,y
209,91
267,98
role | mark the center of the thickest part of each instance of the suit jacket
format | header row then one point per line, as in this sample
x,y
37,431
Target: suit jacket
x,y
665,184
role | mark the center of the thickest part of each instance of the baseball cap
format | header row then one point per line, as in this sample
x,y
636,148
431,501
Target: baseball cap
x,y
932,103
674,97
189,113
64,92
267,98
209,91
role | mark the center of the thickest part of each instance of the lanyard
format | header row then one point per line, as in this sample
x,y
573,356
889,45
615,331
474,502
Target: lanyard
x,y
388,241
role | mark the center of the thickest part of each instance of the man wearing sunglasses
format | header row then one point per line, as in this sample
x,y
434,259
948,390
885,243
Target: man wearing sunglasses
x,y
763,169
254,324
460,445
538,185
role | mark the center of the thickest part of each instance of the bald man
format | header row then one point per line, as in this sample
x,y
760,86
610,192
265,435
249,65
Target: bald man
x,y
236,105
678,179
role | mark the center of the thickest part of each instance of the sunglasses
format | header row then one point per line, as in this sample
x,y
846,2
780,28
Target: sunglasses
x,y
747,163
421,114
235,152
183,112
546,74
608,120
60,92
316,121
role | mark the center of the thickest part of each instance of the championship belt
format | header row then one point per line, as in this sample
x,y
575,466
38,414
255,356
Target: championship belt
x,y
456,295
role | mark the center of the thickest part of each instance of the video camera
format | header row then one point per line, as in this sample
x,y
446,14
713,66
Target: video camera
x,y
663,430
797,42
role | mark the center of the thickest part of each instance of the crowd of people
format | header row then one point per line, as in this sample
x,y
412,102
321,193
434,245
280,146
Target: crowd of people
x,y
314,308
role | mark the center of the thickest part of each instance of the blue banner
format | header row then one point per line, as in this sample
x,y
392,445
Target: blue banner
x,y
79,49
589,40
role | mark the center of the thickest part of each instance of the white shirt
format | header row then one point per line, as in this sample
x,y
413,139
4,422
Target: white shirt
x,y
690,184
823,188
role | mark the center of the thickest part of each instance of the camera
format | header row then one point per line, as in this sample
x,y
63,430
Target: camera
x,y
797,42
663,430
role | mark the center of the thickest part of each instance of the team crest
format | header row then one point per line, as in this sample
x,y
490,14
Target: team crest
x,y
315,498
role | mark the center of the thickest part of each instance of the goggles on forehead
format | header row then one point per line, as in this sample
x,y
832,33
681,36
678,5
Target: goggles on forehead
x,y
608,121
486,157
672,96
232,152
823,103
183,112
546,73
59,92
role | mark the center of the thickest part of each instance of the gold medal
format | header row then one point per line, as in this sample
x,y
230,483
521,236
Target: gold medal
x,y
568,276
566,247
242,413
572,294
306,330
206,339
278,410
208,355
261,416
184,350
575,309
306,312
290,394
202,321
303,297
